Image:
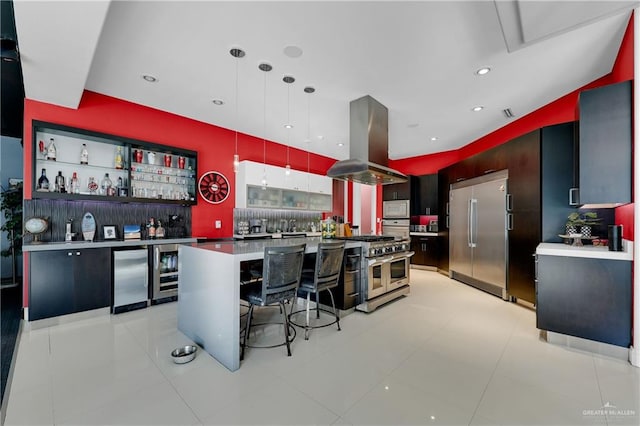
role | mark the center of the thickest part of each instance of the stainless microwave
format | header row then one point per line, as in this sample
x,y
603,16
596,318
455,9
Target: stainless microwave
x,y
396,209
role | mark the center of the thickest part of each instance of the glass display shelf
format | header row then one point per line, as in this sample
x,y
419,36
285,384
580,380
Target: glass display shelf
x,y
43,163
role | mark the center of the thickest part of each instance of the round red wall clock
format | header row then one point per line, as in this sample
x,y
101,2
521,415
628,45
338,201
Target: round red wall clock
x,y
213,187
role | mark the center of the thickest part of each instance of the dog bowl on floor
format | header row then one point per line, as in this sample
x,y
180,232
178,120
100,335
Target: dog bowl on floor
x,y
184,354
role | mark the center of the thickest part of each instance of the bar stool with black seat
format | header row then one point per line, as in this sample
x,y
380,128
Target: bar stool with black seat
x,y
281,272
325,276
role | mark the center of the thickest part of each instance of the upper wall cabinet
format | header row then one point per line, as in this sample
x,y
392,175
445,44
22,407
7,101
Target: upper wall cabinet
x,y
397,191
605,145
265,186
78,164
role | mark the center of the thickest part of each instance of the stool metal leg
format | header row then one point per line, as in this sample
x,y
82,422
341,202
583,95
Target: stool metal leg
x,y
306,328
246,332
286,327
335,311
317,304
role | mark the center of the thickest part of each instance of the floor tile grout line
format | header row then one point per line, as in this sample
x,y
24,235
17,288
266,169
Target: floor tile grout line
x,y
493,373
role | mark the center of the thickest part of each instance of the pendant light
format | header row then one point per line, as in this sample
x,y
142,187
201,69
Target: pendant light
x,y
264,67
308,90
288,79
236,53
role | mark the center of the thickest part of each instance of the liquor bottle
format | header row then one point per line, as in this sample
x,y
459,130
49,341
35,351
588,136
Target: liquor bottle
x,y
152,228
59,185
92,186
107,185
159,231
75,185
84,154
118,159
43,182
51,151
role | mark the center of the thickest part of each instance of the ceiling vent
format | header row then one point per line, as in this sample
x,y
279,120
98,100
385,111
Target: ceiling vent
x,y
508,113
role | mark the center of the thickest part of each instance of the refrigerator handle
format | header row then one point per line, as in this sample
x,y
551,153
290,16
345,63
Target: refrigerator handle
x,y
473,222
509,202
156,264
469,224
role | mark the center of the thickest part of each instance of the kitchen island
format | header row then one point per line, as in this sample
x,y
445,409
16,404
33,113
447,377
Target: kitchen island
x,y
209,291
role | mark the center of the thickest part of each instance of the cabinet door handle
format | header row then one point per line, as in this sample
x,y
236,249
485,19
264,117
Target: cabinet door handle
x,y
69,254
77,253
509,222
574,196
352,294
424,247
447,211
509,202
447,222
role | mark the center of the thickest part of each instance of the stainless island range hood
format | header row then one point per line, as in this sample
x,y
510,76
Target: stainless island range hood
x,y
368,146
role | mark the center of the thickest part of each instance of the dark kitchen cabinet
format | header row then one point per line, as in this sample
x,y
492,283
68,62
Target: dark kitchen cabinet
x,y
68,281
605,149
540,175
425,249
584,297
398,191
424,195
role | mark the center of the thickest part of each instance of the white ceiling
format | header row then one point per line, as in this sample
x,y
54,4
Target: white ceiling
x,y
417,58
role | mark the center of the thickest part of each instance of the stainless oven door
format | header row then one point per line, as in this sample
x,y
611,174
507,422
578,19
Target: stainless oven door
x,y
399,270
377,277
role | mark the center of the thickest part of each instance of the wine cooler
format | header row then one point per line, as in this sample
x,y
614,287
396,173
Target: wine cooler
x,y
165,273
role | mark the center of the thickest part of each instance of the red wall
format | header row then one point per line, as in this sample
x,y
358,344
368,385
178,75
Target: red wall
x,y
562,110
215,146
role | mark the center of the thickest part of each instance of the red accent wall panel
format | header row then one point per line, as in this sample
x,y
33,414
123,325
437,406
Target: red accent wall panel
x,y
215,146
624,217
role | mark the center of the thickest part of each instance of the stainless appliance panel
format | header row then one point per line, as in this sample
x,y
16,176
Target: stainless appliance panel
x,y
130,278
490,232
396,228
460,251
399,269
396,209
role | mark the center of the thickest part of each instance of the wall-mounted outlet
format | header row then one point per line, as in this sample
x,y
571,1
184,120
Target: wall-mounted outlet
x,y
218,224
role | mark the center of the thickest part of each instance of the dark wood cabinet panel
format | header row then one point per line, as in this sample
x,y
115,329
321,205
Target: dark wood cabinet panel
x,y
593,301
523,163
605,144
51,284
68,281
398,191
426,250
424,195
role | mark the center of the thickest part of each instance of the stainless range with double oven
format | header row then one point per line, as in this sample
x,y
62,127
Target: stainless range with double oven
x,y
385,268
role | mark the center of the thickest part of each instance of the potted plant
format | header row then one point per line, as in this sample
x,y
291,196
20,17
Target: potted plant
x,y
582,222
11,206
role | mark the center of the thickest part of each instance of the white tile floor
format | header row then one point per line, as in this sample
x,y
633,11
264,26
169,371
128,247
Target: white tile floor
x,y
447,354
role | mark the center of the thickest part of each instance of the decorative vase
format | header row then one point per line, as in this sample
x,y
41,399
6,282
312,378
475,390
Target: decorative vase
x,y
585,231
571,229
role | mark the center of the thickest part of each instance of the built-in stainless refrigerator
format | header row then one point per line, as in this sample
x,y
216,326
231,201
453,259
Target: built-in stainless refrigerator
x,y
478,232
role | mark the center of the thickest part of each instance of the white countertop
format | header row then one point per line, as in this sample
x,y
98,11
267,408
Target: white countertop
x,y
76,245
276,235
423,234
593,252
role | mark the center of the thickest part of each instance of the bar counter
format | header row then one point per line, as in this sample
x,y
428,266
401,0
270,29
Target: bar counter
x,y
209,291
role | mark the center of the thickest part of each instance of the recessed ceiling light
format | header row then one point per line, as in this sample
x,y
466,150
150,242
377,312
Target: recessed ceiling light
x,y
433,138
483,71
340,144
477,108
149,78
288,126
218,102
293,51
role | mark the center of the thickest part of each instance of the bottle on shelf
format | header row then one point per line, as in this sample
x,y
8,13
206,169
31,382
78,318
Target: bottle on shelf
x,y
159,230
118,159
167,160
59,183
75,185
151,228
92,185
151,157
51,151
107,186
43,182
84,154
138,156
119,187
41,149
